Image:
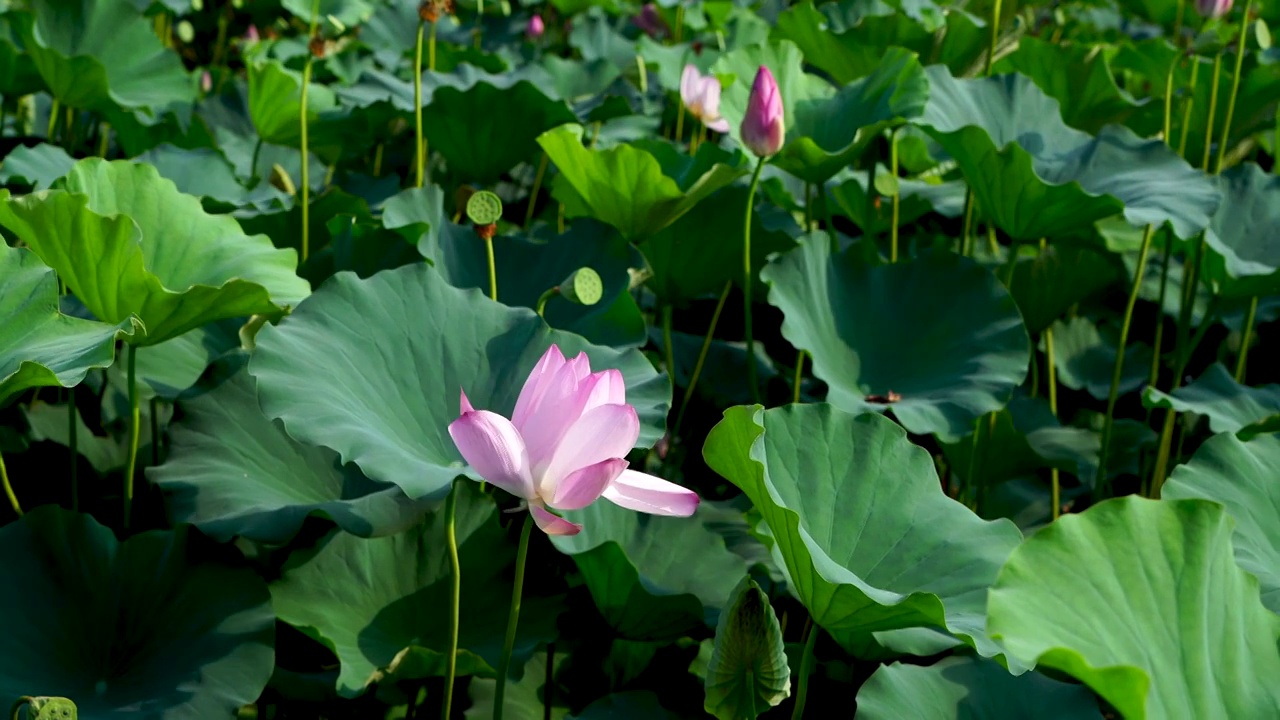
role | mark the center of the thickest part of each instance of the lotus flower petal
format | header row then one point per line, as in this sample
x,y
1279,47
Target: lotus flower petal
x,y
492,446
553,524
646,493
602,433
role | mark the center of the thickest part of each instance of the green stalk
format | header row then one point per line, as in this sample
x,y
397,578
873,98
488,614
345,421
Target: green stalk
x,y
812,631
795,385
995,36
419,157
1242,42
1245,338
73,432
1164,287
1213,109
544,298
155,431
897,194
8,489
702,358
1055,479
1186,107
966,235
537,185
746,284
666,345
513,617
135,430
493,270
1117,369
455,598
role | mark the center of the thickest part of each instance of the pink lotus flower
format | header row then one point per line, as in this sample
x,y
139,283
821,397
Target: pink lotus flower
x,y
206,81
536,27
564,445
762,127
701,94
650,21
1213,8
251,35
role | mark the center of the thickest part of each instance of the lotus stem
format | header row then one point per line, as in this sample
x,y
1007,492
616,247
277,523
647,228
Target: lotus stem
x,y
155,431
73,436
455,596
545,298
995,36
493,270
966,235
1213,109
679,122
893,171
1166,258
1177,21
1245,338
533,194
667,312
302,122
1117,369
1187,106
135,430
1242,42
795,384
419,161
513,617
806,667
746,285
808,207
431,48
702,358
8,489
53,121
678,34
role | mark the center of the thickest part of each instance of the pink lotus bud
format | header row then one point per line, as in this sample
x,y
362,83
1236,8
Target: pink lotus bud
x,y
1213,8
650,21
251,35
762,127
565,446
206,81
536,27
701,94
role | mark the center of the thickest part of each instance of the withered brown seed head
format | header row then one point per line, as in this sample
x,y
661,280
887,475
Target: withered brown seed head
x,y
316,46
431,10
486,232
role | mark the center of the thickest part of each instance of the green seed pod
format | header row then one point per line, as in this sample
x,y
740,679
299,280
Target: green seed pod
x,y
484,208
583,286
50,708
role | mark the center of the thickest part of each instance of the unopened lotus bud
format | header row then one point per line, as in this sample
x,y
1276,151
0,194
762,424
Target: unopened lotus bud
x,y
1213,8
762,127
583,287
536,27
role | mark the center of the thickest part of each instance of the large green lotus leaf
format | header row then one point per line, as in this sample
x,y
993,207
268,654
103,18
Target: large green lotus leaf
x,y
39,345
1174,628
1229,405
346,12
697,254
168,369
624,186
848,38
206,173
858,515
382,394
126,242
1240,475
100,54
938,330
1245,234
1085,359
652,577
528,267
1077,76
485,130
1059,277
380,603
275,103
37,166
231,471
376,86
1036,177
747,673
18,74
164,625
830,133
968,688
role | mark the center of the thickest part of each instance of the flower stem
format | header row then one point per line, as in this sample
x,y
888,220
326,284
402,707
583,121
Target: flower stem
x,y
513,617
545,298
1164,287
1245,337
419,157
746,285
493,270
667,312
1241,43
806,668
305,192
455,597
8,489
1213,110
795,385
893,171
533,194
1117,369
702,358
135,430
73,434
995,36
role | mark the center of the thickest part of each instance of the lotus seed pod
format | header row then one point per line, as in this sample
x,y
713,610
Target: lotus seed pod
x,y
583,286
484,208
51,708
